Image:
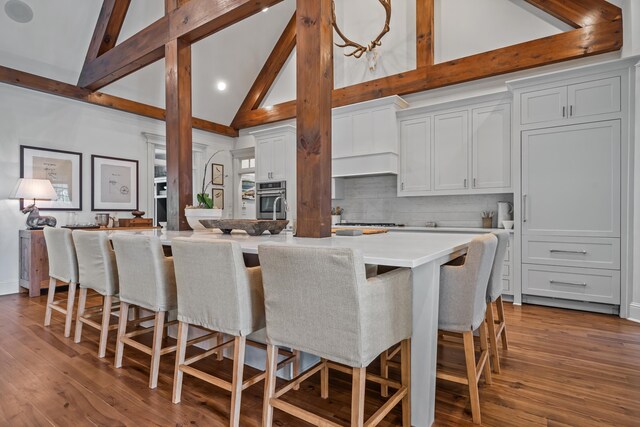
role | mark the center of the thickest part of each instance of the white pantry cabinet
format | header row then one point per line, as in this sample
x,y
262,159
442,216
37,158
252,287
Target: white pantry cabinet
x,y
271,157
574,101
462,151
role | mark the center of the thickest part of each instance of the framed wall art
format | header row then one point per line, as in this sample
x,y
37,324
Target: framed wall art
x,y
62,168
218,198
114,184
217,174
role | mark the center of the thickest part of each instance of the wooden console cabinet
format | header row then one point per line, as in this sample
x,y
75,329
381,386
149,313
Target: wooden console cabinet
x,y
34,262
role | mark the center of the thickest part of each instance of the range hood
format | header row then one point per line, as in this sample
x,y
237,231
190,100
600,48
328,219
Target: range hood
x,y
365,138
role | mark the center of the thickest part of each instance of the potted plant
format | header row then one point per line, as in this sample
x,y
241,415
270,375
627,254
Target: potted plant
x,y
204,209
336,215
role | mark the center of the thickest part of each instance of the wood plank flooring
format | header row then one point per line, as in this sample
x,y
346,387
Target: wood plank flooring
x,y
564,368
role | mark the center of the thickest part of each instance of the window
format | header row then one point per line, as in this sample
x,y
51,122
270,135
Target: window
x,y
248,163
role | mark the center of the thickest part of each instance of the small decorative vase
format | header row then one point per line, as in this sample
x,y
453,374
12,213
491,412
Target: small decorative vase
x,y
335,219
194,215
487,222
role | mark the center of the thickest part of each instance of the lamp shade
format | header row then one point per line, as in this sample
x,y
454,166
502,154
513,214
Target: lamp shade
x,y
40,189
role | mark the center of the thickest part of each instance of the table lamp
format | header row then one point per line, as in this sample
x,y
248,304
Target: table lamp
x,y
36,189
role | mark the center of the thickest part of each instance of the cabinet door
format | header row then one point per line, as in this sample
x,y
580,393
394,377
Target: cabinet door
x,y
362,133
264,159
594,97
491,147
278,148
450,144
342,141
544,105
415,156
571,180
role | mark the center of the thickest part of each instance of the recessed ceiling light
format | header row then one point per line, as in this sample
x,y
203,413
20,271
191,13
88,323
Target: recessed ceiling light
x,y
222,86
265,9
19,11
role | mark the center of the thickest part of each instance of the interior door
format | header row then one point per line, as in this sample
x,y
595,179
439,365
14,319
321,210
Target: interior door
x,y
450,144
415,156
491,147
571,180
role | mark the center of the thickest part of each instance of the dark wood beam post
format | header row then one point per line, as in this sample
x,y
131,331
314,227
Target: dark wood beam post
x,y
179,133
314,87
424,29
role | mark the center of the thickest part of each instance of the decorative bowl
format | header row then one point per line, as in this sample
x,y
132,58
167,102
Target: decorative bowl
x,y
507,224
253,227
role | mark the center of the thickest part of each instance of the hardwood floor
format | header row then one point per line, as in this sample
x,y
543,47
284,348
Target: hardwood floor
x,y
564,368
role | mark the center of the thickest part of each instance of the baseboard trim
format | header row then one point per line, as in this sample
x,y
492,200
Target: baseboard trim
x,y
634,312
8,288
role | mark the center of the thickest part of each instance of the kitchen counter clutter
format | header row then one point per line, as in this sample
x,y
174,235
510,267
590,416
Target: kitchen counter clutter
x,y
424,253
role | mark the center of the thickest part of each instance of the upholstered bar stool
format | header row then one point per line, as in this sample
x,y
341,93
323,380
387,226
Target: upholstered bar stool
x,y
147,280
496,325
462,306
216,292
318,300
98,272
63,266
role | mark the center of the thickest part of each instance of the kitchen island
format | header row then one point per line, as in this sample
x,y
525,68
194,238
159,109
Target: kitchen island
x,y
424,253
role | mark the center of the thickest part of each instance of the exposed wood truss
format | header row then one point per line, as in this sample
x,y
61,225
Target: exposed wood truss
x,y
598,29
54,87
270,70
193,21
107,28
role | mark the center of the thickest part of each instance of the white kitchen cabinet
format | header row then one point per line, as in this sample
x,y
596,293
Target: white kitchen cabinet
x,y
579,100
271,158
337,188
450,150
571,180
415,156
491,147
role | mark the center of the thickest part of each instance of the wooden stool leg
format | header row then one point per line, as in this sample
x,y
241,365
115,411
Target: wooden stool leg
x,y
384,372
357,397
484,353
405,380
219,341
239,346
70,303
183,333
470,359
269,385
104,328
503,334
50,299
158,330
324,380
491,326
122,330
82,302
296,367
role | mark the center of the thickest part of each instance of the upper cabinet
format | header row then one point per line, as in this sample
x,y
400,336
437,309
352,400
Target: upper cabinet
x,y
462,151
365,138
271,158
572,101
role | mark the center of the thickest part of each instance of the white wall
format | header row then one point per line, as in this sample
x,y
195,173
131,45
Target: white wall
x,y
32,118
634,311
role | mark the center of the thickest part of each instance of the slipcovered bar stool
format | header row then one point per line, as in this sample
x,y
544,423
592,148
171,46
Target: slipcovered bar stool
x,y
216,292
462,306
318,300
98,272
63,266
147,281
497,327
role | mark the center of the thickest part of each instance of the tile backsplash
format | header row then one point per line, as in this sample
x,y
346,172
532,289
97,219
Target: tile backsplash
x,y
374,199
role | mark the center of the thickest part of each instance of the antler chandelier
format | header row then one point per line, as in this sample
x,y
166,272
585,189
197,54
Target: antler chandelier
x,y
359,49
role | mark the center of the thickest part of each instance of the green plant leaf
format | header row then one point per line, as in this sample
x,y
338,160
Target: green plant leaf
x,y
205,200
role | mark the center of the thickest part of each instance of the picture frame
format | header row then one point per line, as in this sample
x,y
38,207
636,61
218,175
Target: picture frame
x,y
62,168
217,174
217,195
114,184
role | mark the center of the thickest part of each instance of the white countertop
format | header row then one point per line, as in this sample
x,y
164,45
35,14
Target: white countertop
x,y
475,230
408,249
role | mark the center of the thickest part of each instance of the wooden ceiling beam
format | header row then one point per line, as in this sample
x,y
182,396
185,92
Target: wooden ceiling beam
x,y
272,67
424,33
54,87
107,30
191,22
579,13
592,40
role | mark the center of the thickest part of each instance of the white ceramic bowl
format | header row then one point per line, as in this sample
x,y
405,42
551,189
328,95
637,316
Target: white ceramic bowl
x,y
508,225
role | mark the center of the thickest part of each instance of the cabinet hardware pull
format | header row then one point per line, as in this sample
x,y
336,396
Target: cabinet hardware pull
x,y
465,183
571,111
474,183
562,282
564,111
562,251
402,186
524,208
